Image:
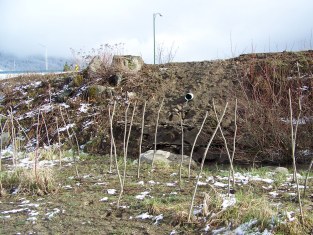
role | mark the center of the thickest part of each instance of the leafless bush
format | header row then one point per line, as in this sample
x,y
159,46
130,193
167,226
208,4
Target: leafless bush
x,y
166,55
263,113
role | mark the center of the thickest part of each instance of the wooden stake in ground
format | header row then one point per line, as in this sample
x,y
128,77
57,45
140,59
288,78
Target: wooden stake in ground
x,y
47,133
194,143
293,149
111,148
202,162
37,145
141,135
231,168
59,142
182,150
113,143
156,132
13,137
126,149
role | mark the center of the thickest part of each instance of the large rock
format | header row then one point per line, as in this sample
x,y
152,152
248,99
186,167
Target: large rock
x,y
96,67
165,157
100,93
127,63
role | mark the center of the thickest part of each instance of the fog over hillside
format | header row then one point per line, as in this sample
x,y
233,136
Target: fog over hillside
x,y
10,62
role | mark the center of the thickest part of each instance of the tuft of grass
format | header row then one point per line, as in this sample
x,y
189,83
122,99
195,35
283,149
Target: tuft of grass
x,y
27,181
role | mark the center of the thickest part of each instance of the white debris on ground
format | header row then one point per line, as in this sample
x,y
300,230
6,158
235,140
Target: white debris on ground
x,y
152,182
290,215
228,201
157,218
245,228
274,194
84,108
141,182
111,191
171,184
52,213
144,216
173,174
68,126
200,183
142,195
104,199
219,184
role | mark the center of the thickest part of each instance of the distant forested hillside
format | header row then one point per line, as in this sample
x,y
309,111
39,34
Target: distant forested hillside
x,y
10,62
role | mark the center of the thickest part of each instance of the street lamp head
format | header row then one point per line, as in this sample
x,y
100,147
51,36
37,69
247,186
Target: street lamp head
x,y
157,14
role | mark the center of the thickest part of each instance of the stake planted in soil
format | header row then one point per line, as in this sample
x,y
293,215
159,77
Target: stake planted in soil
x,y
194,143
202,162
141,135
156,131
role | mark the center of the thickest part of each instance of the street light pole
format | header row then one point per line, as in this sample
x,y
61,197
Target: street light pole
x,y
154,16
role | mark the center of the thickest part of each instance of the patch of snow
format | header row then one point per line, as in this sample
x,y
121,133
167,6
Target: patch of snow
x,y
64,105
68,126
210,179
207,228
228,201
84,108
173,232
86,176
197,210
51,214
87,123
141,182
274,194
173,193
101,183
200,183
152,182
144,216
14,211
104,199
157,218
290,215
111,191
142,195
170,184
219,184
67,187
173,174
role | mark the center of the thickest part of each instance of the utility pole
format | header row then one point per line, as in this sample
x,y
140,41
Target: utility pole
x,y
154,16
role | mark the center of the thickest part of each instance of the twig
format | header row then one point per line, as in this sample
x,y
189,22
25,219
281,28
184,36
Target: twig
x,y
194,143
13,136
59,141
202,162
182,150
37,145
111,148
126,149
226,147
141,135
114,146
293,148
156,131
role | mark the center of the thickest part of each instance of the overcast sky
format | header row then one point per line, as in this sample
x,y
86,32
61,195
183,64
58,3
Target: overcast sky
x,y
197,29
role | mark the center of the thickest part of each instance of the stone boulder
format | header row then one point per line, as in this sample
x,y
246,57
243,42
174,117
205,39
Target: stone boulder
x,y
281,170
165,157
99,93
127,63
96,67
